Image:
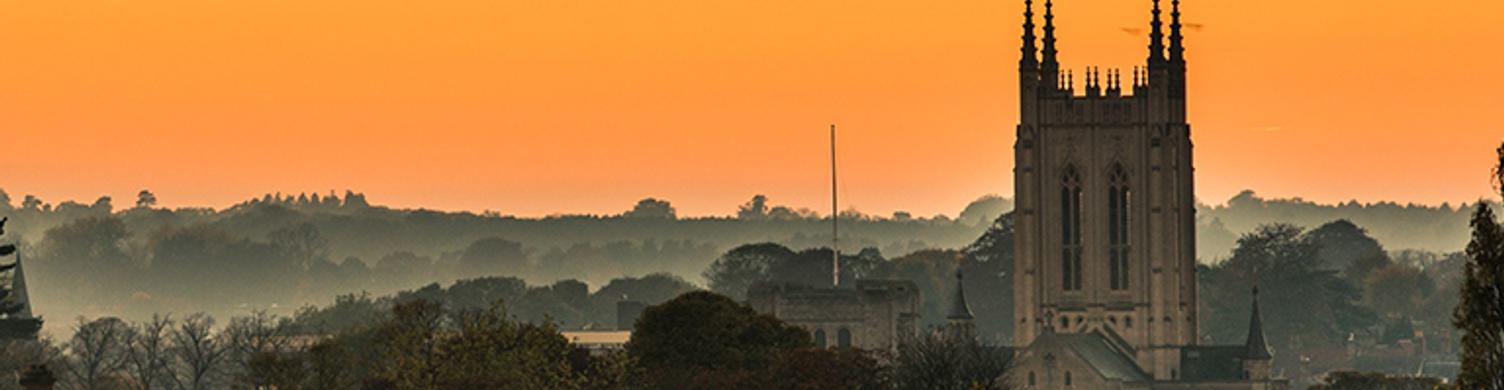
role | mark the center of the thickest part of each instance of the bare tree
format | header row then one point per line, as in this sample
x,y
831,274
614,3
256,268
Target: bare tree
x,y
948,361
255,335
146,356
198,357
17,355
97,352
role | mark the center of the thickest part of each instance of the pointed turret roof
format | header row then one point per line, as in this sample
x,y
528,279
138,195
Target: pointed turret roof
x,y
959,310
1257,348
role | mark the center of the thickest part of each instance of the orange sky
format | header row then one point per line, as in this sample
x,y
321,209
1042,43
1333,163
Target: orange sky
x,y
538,107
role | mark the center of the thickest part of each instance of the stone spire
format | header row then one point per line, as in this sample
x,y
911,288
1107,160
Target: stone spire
x,y
1156,39
1177,51
1051,64
1257,348
1030,59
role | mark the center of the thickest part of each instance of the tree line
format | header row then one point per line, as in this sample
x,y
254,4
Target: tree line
x,y
697,339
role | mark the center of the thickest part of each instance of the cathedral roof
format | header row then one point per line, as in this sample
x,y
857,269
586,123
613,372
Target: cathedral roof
x,y
1107,361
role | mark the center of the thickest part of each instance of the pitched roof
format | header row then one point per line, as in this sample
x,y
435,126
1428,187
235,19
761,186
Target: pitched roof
x,y
1212,362
1098,352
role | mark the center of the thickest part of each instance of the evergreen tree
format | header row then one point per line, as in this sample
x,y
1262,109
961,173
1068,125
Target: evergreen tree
x,y
1480,313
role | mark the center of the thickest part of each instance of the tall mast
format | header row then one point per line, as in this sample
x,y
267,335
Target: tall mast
x,y
835,217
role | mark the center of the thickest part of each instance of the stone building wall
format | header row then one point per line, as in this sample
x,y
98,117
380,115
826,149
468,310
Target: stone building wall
x,y
874,315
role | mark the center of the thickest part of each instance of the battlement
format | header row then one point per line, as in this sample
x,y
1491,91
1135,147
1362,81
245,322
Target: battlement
x,y
1103,100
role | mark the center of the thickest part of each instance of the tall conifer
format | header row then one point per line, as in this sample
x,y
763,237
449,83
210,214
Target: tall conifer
x,y
1480,312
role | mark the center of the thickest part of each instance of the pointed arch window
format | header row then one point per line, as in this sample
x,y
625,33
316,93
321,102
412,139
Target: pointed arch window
x,y
1070,214
1118,196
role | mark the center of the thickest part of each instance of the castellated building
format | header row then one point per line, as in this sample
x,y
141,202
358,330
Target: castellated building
x,y
873,315
1105,270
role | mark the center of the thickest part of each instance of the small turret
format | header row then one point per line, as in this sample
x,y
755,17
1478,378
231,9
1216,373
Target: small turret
x,y
1256,353
960,317
18,289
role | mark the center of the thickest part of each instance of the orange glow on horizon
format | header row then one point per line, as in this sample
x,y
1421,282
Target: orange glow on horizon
x,y
535,108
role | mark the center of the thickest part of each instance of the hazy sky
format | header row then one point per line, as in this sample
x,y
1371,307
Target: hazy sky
x,y
537,107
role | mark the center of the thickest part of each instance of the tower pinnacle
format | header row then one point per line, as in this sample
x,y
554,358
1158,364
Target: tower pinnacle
x,y
1051,65
1177,52
1030,57
1156,39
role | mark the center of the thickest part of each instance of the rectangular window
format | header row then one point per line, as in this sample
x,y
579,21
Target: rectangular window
x,y
1117,231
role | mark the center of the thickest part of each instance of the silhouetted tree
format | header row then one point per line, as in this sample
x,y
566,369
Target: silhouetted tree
x,y
733,272
98,352
989,273
1480,313
198,355
754,210
145,200
651,208
703,337
147,362
1346,247
948,362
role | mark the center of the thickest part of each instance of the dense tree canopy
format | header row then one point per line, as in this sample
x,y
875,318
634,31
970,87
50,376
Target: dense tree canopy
x,y
1305,304
702,334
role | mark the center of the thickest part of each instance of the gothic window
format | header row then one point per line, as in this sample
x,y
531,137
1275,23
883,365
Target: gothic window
x,y
1070,214
1118,195
843,338
1031,378
820,338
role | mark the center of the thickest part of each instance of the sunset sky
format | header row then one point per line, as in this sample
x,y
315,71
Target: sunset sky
x,y
541,107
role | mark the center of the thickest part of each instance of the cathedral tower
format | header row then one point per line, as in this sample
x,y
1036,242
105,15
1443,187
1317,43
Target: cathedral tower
x,y
1105,198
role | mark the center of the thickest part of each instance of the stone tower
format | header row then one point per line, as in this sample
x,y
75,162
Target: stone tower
x,y
1105,198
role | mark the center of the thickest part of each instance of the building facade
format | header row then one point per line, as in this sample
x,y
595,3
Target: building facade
x,y
873,315
1105,270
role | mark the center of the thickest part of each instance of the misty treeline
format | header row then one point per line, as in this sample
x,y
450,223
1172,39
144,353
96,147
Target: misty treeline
x,y
1438,229
281,252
